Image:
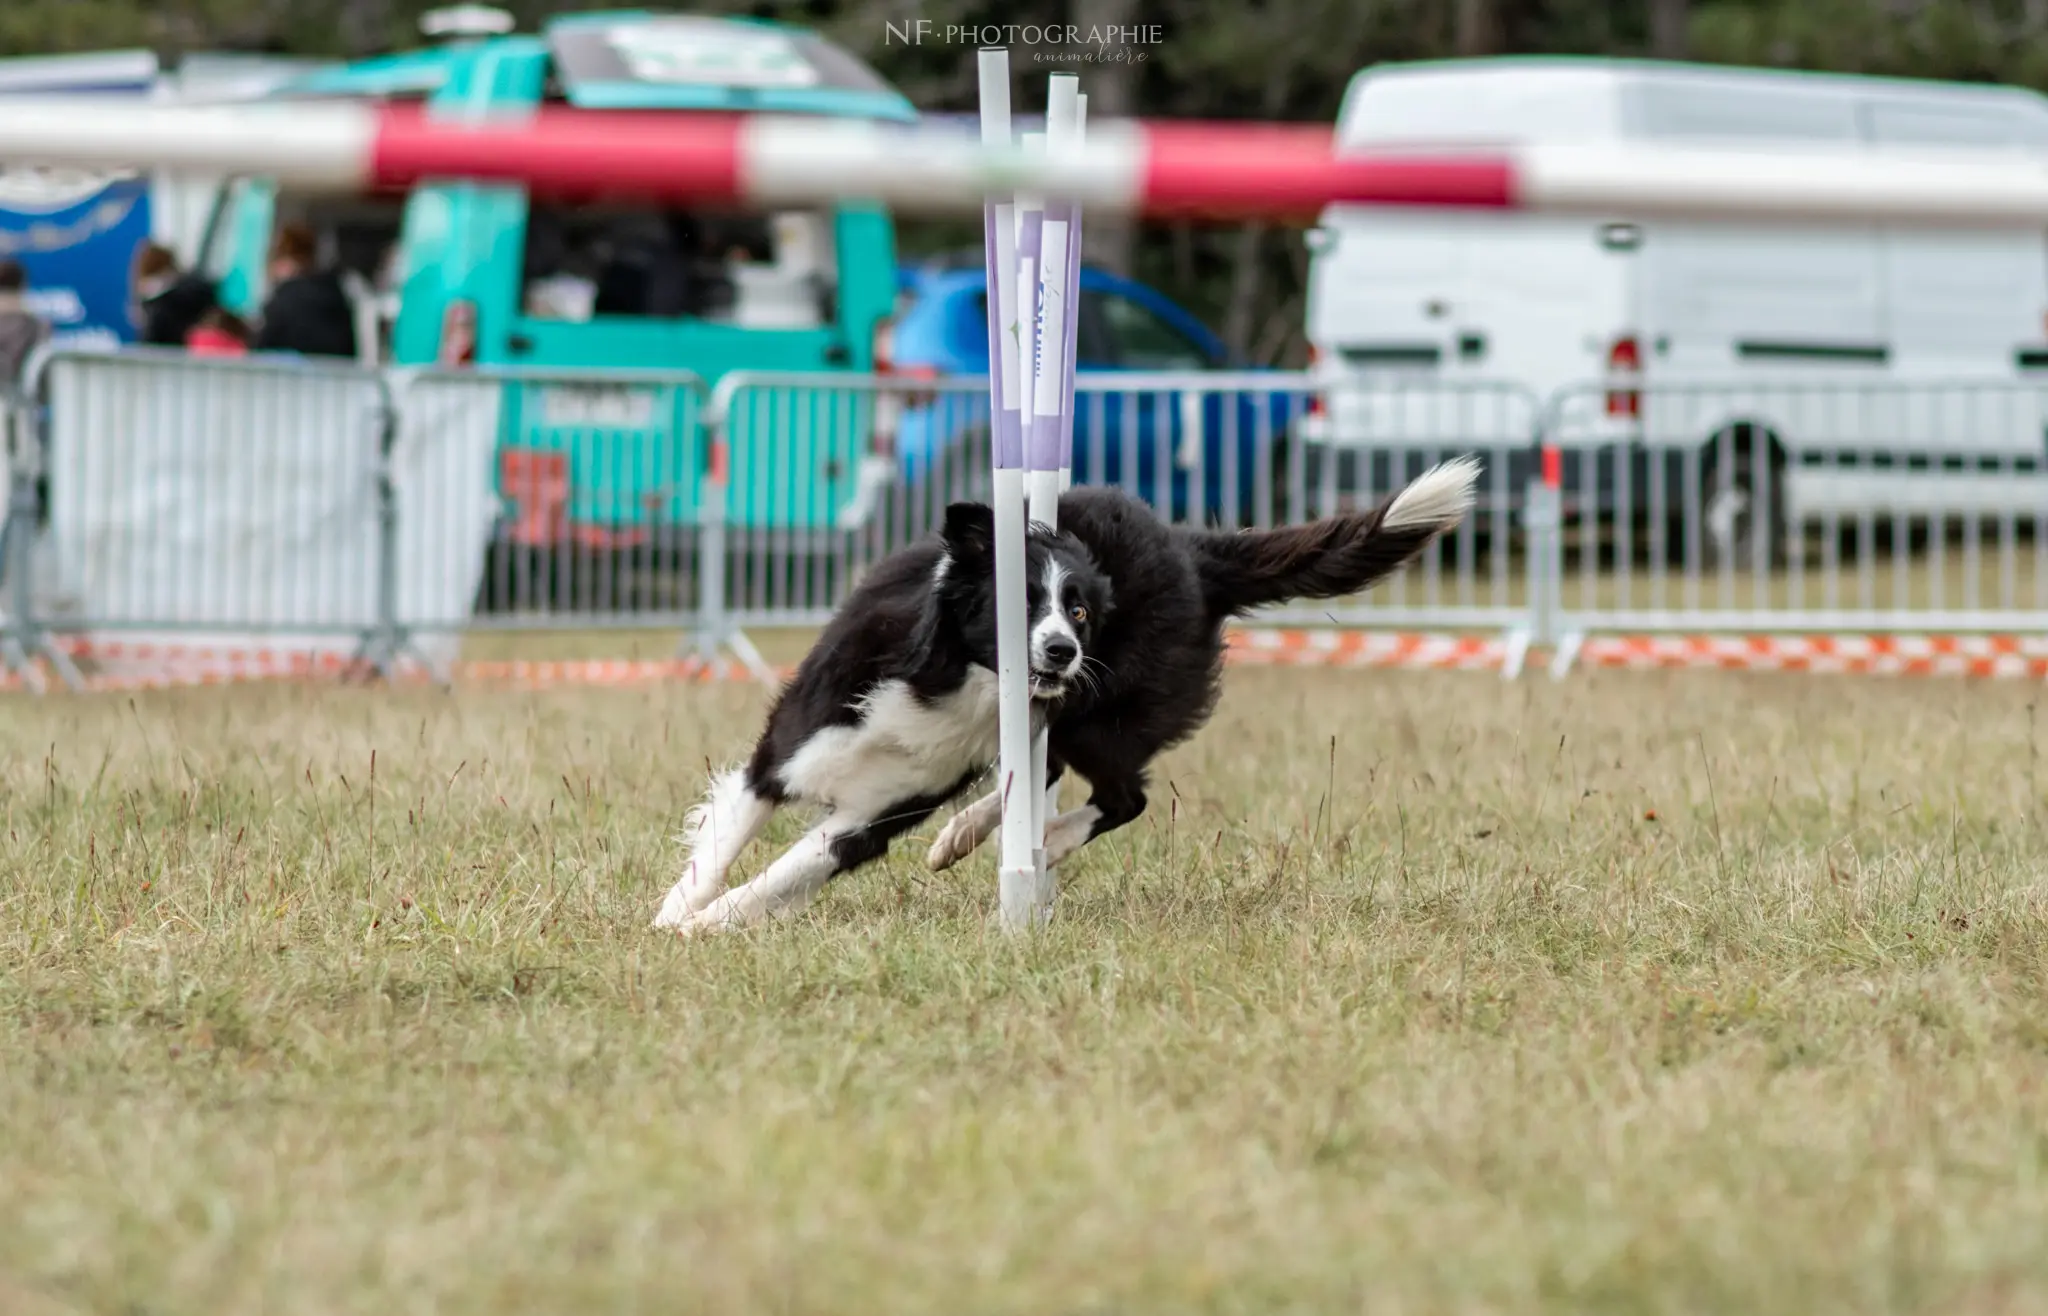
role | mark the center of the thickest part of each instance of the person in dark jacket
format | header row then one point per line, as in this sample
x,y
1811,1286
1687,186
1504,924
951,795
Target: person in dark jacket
x,y
169,302
308,311
21,330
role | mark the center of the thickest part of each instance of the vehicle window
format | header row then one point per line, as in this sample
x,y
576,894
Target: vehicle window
x,y
356,235
1142,340
757,271
1906,123
1092,347
222,232
1695,111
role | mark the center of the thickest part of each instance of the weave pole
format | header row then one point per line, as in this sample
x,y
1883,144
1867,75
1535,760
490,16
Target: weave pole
x,y
1050,795
1048,442
1017,876
1073,311
1031,333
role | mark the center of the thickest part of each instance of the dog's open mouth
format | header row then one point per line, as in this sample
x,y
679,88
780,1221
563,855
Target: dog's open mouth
x,y
1047,685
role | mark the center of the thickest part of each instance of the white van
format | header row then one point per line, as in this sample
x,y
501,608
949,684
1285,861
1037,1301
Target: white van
x,y
1877,370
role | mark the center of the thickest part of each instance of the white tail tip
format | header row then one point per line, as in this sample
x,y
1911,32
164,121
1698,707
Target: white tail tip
x,y
1439,497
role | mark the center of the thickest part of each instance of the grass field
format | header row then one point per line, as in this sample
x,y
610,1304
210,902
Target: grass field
x,y
1412,992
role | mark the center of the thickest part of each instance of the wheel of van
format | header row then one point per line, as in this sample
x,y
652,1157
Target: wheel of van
x,y
1742,472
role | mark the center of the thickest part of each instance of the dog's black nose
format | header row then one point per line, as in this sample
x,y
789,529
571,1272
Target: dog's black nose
x,y
1060,652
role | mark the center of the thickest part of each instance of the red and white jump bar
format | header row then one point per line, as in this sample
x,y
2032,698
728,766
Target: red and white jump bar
x,y
1215,169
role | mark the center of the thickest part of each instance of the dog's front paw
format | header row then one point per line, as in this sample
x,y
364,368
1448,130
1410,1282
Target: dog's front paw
x,y
677,909
684,925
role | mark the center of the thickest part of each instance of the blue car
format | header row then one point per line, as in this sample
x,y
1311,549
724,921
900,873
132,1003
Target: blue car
x,y
1221,442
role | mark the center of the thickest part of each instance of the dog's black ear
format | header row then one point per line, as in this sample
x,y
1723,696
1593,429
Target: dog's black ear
x,y
970,532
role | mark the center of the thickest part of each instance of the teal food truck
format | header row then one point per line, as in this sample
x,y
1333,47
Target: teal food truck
x,y
467,276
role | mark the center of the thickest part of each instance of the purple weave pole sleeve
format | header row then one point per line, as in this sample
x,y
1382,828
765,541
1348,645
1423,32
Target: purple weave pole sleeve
x,y
1066,440
1042,415
1006,423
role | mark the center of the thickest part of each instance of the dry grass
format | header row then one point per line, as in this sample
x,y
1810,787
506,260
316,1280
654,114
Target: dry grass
x,y
1417,992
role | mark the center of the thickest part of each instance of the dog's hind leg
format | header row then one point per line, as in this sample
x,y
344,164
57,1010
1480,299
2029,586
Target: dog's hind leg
x,y
717,830
838,845
787,884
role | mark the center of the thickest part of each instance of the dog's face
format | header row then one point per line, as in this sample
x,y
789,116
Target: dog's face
x,y
1067,597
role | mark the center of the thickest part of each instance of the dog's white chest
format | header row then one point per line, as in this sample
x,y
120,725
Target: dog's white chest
x,y
902,747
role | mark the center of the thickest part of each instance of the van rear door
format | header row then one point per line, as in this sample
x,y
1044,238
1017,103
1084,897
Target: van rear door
x,y
1413,351
1728,300
1384,289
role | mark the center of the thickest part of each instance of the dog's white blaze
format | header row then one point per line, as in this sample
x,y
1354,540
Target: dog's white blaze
x,y
1440,496
900,748
1054,625
715,832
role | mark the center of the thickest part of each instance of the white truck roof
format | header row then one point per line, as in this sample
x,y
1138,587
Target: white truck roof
x,y
1518,99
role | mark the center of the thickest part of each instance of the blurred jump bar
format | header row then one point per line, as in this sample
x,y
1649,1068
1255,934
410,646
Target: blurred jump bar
x,y
1217,170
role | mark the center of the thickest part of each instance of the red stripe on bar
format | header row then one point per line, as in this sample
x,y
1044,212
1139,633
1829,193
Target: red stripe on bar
x,y
1284,171
1553,466
566,152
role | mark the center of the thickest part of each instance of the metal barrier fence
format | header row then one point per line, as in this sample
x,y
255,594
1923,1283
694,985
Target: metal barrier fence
x,y
367,513
162,479
587,487
1219,449
1800,503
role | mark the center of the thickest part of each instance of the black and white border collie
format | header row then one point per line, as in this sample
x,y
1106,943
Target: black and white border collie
x,y
893,712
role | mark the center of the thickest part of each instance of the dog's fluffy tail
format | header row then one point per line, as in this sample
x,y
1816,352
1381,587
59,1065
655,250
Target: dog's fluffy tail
x,y
1338,555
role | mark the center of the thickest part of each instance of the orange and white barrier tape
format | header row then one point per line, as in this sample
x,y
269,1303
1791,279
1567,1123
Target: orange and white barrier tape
x,y
1291,648
598,671
132,666
1876,655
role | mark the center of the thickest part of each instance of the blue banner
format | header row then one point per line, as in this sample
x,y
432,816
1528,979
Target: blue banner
x,y
76,234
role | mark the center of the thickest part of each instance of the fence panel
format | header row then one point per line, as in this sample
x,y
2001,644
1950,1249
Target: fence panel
x,y
21,488
1358,440
563,498
1803,503
211,496
831,472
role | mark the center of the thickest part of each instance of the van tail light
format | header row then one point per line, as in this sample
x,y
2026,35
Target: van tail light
x,y
887,369
1625,358
458,335
1315,396
884,350
536,483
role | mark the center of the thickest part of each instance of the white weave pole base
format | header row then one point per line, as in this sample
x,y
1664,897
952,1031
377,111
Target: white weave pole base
x,y
1024,896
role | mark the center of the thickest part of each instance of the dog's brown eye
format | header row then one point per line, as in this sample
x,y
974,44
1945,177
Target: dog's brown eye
x,y
1078,613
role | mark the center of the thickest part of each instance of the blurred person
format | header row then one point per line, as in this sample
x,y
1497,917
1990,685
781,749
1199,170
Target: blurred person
x,y
21,330
220,332
169,301
308,310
